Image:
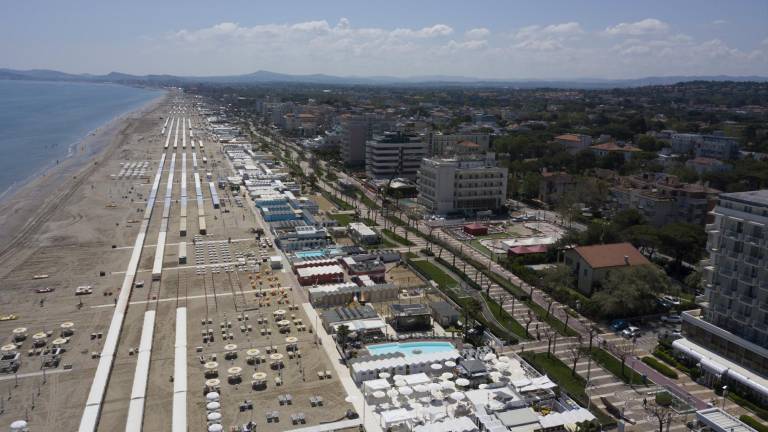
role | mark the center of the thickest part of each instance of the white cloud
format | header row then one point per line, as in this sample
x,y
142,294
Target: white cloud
x,y
644,27
477,33
719,22
647,47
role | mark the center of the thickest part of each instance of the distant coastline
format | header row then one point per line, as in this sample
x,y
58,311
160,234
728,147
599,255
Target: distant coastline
x,y
91,141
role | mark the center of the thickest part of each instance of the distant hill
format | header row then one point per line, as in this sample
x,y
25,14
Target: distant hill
x,y
266,77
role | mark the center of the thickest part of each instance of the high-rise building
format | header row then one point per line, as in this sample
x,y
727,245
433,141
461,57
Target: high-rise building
x,y
394,155
452,144
732,329
354,131
462,184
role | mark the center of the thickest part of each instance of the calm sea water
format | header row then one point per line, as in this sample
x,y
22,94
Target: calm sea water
x,y
41,122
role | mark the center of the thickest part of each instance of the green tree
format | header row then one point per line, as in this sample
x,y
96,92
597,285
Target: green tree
x,y
629,291
683,242
342,334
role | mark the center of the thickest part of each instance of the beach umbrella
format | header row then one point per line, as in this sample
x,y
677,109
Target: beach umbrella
x,y
406,391
448,385
235,370
446,376
462,382
435,386
276,356
215,428
39,336
436,366
8,348
401,383
59,341
291,339
504,359
420,388
211,365
213,382
259,376
437,394
392,393
214,416
212,406
483,386
489,357
212,397
384,375
378,394
398,377
253,352
457,396
230,347
450,364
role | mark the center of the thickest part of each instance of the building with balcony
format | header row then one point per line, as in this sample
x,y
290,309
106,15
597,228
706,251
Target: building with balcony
x,y
733,324
394,154
462,185
663,199
355,130
451,144
716,146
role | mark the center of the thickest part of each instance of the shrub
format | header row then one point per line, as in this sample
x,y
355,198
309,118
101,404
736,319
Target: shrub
x,y
754,423
660,367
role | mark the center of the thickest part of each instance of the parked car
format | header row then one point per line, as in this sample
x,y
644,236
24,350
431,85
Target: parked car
x,y
672,319
631,332
619,325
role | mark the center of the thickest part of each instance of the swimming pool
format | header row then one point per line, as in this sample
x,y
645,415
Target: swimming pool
x,y
310,254
410,348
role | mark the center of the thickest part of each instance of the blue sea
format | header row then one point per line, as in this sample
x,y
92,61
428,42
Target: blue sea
x,y
41,122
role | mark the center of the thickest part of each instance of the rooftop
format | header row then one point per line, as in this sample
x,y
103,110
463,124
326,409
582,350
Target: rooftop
x,y
409,309
612,146
611,255
759,197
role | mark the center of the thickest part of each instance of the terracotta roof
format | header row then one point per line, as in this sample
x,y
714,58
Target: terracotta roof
x,y
469,144
611,255
525,250
568,137
612,146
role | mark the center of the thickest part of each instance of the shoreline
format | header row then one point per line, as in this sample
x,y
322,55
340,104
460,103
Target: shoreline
x,y
23,207
93,136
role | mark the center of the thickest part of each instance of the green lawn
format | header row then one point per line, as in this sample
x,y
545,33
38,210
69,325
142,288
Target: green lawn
x,y
433,272
482,249
343,219
571,384
398,238
613,365
505,318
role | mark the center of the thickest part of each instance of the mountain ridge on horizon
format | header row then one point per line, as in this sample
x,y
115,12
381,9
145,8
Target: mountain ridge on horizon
x,y
266,77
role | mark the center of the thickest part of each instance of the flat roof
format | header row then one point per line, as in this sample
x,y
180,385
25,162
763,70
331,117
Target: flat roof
x,y
721,421
759,197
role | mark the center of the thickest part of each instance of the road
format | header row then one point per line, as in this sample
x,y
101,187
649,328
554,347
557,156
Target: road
x,y
577,322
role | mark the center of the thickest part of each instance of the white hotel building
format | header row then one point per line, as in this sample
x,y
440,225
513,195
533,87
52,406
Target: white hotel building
x,y
462,185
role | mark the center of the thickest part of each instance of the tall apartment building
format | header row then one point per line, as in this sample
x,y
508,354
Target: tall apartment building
x,y
465,185
732,329
355,130
394,155
710,146
663,199
451,144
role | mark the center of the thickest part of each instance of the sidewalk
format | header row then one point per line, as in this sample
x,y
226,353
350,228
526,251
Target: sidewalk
x,y
371,419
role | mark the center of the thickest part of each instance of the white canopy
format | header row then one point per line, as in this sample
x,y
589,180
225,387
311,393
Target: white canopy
x,y
377,384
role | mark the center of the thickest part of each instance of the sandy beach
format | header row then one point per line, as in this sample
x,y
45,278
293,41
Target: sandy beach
x,y
26,209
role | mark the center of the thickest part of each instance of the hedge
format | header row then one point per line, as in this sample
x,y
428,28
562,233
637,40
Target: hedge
x,y
754,423
660,367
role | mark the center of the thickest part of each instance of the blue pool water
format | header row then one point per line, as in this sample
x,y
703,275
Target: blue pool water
x,y
310,254
410,348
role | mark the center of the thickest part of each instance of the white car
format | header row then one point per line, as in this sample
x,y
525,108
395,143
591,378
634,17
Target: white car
x,y
672,319
631,332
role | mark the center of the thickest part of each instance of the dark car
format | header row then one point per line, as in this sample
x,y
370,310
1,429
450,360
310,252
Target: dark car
x,y
619,325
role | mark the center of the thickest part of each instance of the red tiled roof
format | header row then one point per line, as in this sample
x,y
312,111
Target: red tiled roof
x,y
611,255
525,250
612,146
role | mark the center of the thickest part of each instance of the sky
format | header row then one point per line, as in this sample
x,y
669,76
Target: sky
x,y
558,39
